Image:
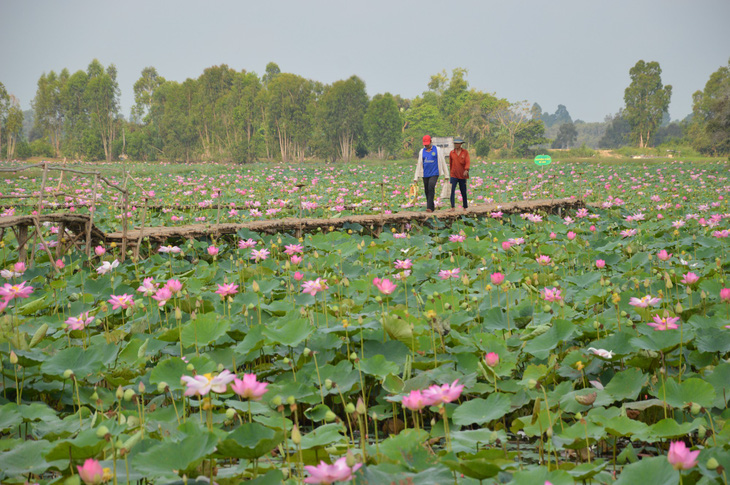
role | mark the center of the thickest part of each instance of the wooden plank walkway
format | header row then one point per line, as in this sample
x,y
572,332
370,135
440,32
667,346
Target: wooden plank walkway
x,y
373,222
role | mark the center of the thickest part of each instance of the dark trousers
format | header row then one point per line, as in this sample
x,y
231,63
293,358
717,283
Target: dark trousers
x,y
462,189
429,185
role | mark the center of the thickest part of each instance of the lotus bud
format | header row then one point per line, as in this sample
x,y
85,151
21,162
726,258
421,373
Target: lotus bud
x,y
531,383
712,463
290,400
276,401
549,432
178,314
329,416
94,396
251,306
360,407
120,393
255,287
38,335
67,374
353,356
328,384
162,387
350,460
190,367
578,416
695,409
129,394
296,436
350,408
678,308
306,351
141,387
102,431
230,413
133,440
701,431
14,360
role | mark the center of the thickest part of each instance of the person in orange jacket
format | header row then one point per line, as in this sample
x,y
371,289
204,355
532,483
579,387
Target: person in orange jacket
x,y
459,161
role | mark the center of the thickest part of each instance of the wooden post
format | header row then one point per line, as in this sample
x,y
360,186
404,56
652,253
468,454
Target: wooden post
x,y
60,238
92,210
22,236
141,230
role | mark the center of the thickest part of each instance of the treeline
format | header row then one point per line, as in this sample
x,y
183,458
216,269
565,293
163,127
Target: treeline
x,y
644,120
229,115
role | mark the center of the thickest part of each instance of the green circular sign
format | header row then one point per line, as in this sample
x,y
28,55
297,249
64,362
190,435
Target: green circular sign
x,y
543,160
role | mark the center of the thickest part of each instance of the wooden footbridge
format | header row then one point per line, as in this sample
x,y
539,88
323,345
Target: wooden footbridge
x,y
79,231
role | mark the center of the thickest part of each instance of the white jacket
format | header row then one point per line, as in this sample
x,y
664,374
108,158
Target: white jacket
x,y
443,168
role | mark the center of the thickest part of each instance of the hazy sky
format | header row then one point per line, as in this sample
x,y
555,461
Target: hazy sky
x,y
572,52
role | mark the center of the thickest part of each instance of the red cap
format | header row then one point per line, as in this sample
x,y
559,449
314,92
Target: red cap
x,y
426,140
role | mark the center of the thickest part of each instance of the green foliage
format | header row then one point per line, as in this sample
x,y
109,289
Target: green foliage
x,y
647,101
711,109
482,148
567,135
382,125
340,114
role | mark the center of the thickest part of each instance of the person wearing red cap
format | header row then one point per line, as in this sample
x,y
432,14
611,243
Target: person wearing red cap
x,y
431,164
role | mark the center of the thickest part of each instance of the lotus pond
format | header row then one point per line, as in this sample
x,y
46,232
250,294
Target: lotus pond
x,y
581,347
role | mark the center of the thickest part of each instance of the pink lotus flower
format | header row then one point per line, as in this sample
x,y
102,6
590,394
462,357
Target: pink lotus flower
x,y
175,286
492,359
298,276
444,393
402,275
385,286
227,289
592,228
19,267
259,255
249,387
295,259
457,238
99,250
169,249
666,323
314,286
600,264
162,295
506,245
725,294
80,322
292,249
553,235
60,264
8,291
328,474
245,244
663,255
571,235
497,278
91,473
680,457
690,278
415,401
121,301
213,251
551,294
644,301
148,287
403,264
445,274
543,260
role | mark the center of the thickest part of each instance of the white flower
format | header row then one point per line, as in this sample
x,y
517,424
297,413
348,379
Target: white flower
x,y
106,266
606,354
